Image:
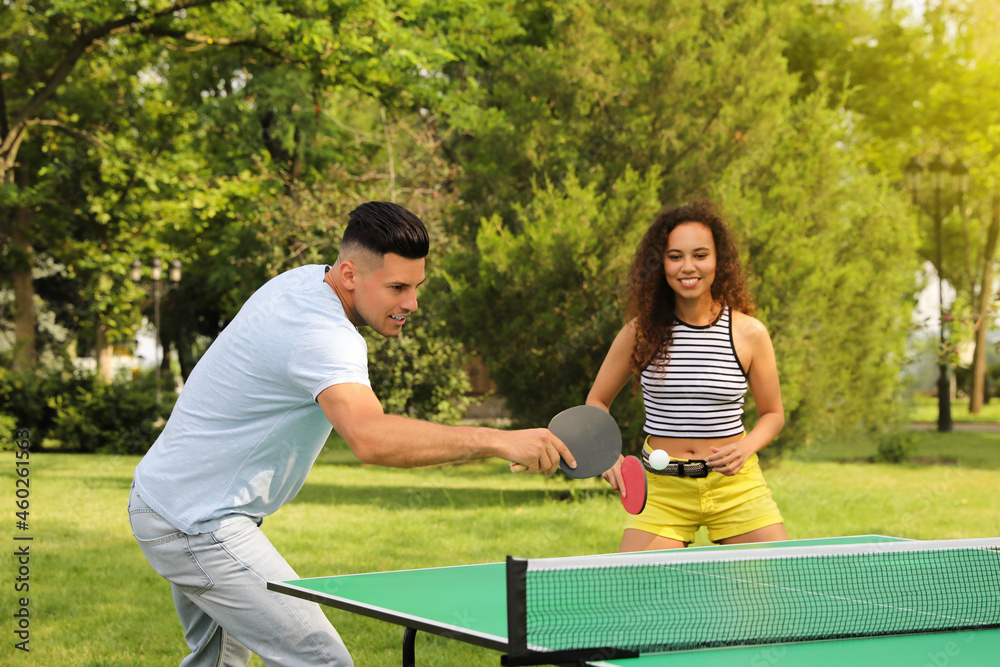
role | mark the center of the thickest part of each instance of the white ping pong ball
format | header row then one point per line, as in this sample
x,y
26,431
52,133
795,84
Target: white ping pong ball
x,y
658,459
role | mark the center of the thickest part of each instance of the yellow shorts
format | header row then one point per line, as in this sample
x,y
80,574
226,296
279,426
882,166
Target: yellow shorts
x,y
727,505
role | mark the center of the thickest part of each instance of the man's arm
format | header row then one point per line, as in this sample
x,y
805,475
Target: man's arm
x,y
401,442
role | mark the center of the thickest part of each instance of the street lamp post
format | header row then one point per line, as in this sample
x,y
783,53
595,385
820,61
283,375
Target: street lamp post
x,y
938,170
156,273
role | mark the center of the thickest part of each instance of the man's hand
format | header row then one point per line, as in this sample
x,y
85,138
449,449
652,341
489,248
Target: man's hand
x,y
535,450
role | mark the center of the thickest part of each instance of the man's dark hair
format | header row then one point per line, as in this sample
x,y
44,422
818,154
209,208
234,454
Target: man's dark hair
x,y
382,227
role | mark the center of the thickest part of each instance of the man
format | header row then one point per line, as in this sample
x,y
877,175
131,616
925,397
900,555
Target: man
x,y
250,423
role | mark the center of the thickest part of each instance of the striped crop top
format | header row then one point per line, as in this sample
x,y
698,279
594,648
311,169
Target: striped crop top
x,y
699,392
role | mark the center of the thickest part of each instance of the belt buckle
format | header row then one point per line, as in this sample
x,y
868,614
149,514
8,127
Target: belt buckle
x,y
699,469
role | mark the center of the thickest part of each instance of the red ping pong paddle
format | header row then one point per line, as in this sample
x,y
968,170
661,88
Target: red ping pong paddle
x,y
634,483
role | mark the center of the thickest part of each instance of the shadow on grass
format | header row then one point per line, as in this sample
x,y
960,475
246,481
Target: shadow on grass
x,y
418,497
390,497
398,497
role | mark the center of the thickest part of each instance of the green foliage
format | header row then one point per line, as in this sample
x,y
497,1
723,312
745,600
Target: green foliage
x,y
53,339
896,446
233,137
25,397
919,87
82,413
829,241
236,137
8,426
832,250
117,417
682,87
419,373
543,305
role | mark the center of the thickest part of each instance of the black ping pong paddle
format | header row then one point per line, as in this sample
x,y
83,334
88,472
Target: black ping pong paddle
x,y
592,435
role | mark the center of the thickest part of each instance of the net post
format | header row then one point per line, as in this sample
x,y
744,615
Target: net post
x,y
517,606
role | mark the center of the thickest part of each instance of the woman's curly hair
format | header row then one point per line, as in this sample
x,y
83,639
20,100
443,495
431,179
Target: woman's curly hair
x,y
650,300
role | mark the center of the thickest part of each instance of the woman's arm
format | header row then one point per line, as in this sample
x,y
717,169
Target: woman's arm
x,y
756,353
614,373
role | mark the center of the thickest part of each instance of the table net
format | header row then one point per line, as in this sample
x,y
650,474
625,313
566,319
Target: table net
x,y
673,600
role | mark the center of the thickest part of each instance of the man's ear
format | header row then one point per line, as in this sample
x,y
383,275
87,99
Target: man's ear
x,y
349,274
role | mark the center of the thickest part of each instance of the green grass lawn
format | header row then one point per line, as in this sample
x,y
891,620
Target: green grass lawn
x,y
924,408
977,449
94,601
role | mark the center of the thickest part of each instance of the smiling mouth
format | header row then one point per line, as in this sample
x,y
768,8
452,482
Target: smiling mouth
x,y
689,282
399,319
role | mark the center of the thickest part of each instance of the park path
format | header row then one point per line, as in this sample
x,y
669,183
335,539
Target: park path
x,y
970,427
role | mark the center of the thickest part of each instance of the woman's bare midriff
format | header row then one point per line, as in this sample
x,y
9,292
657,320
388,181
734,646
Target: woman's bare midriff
x,y
690,448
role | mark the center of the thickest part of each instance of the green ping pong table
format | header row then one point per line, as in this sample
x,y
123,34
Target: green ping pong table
x,y
468,603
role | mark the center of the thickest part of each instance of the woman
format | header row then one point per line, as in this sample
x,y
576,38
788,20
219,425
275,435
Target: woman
x,y
696,350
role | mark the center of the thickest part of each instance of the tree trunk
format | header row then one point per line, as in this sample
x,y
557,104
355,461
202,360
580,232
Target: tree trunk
x,y
978,393
23,283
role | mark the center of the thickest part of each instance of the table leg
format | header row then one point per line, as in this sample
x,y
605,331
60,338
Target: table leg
x,y
409,655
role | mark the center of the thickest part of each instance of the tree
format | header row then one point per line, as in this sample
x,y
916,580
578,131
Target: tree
x,y
922,86
832,247
596,90
594,107
155,128
40,104
618,108
543,305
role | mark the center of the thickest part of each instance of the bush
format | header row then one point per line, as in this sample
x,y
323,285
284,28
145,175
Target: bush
x,y
541,304
120,417
895,446
8,424
25,397
420,373
83,413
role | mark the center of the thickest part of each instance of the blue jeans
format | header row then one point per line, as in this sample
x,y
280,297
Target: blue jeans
x,y
219,585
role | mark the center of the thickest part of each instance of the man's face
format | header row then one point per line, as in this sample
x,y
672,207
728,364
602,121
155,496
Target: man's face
x,y
385,296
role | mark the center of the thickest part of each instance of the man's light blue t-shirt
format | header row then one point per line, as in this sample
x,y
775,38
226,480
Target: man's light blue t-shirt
x,y
246,428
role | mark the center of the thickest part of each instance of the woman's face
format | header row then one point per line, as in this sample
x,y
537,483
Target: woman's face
x,y
689,261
